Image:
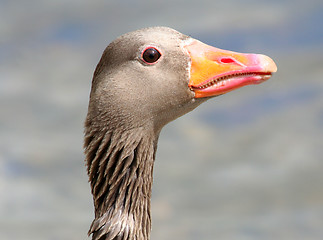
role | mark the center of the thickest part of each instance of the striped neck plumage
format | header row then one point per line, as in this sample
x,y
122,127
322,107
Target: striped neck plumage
x,y
120,169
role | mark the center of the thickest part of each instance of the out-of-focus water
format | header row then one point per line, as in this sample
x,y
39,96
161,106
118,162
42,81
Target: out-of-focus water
x,y
246,165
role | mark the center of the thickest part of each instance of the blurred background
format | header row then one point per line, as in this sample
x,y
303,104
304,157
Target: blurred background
x,y
246,165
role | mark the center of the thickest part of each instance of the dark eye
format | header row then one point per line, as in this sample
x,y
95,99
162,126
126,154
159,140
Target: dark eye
x,y
151,55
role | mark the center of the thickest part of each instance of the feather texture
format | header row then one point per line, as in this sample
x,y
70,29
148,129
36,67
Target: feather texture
x,y
120,166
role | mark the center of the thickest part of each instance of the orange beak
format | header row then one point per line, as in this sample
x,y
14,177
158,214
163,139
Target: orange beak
x,y
215,71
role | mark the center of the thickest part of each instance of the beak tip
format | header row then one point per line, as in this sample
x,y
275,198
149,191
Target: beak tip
x,y
268,64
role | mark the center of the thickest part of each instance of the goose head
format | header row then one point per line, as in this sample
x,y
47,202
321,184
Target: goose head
x,y
154,75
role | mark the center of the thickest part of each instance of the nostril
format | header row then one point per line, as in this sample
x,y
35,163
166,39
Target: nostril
x,y
227,60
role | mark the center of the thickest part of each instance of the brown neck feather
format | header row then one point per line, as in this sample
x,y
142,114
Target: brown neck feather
x,y
120,168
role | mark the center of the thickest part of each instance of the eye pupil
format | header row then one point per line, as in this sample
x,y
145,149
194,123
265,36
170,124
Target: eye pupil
x,y
151,55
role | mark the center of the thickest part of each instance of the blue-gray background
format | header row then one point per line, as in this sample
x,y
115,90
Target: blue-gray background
x,y
246,165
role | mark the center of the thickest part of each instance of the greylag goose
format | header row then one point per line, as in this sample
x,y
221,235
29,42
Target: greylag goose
x,y
144,80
